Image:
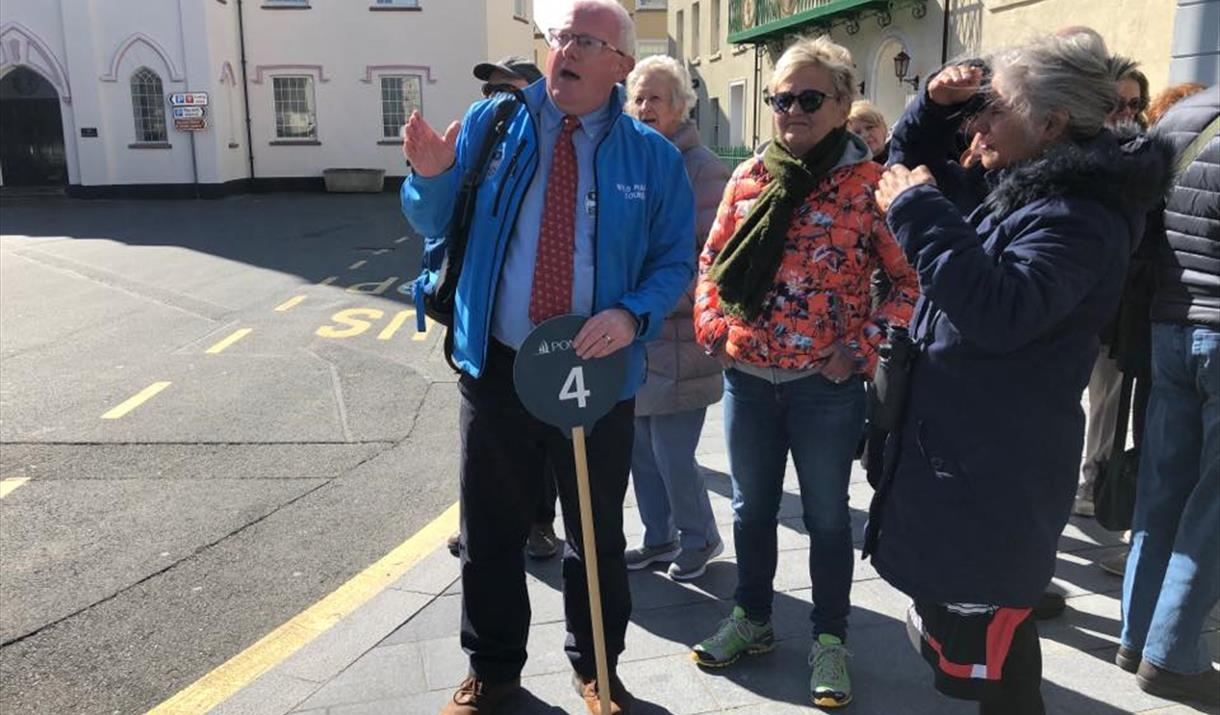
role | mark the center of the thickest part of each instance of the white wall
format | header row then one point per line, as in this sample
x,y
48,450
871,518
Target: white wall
x,y
340,45
193,46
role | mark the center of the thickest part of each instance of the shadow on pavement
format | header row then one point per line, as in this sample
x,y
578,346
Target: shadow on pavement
x,y
309,235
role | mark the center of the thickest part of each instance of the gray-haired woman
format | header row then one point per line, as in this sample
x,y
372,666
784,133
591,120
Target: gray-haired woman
x,y
980,475
682,380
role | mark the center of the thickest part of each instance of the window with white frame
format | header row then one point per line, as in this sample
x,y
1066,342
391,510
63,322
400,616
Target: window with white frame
x,y
400,95
285,3
647,48
694,30
294,108
680,32
148,106
396,3
714,38
519,9
650,4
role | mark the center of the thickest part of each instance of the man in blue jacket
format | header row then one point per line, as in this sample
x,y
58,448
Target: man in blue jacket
x,y
581,210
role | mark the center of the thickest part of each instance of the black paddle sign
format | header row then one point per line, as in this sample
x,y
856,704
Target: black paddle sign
x,y
558,387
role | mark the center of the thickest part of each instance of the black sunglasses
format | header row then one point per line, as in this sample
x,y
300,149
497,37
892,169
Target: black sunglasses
x,y
1135,104
810,100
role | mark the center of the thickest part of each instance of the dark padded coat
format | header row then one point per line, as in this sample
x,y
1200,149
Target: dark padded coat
x,y
1188,263
980,477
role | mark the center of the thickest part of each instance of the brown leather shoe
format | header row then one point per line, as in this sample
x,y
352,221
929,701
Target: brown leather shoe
x,y
1193,687
620,700
478,697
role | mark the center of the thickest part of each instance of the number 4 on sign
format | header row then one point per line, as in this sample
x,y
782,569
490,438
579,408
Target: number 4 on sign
x,y
574,388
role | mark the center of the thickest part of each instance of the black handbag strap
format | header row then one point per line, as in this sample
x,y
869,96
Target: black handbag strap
x,y
464,208
1114,466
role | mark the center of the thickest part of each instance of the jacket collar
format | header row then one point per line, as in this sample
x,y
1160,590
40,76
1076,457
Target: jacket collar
x,y
536,94
856,152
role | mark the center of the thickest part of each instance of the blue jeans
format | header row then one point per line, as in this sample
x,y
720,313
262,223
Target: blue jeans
x,y
668,486
1172,579
820,423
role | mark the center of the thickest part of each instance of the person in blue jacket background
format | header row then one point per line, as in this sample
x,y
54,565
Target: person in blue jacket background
x,y
981,474
582,210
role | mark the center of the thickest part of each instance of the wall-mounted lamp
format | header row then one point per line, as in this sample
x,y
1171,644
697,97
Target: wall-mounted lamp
x,y
902,63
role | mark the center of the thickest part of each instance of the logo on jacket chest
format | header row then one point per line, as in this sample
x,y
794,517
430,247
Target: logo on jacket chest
x,y
632,192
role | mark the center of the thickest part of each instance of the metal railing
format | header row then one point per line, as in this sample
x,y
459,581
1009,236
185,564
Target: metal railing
x,y
732,155
748,14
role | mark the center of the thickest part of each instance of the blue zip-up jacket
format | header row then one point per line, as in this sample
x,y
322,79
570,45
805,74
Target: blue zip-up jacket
x,y
643,256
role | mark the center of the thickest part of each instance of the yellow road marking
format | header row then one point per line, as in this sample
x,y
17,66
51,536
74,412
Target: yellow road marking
x,y
289,304
356,265
237,335
423,335
328,280
241,670
135,400
8,485
395,323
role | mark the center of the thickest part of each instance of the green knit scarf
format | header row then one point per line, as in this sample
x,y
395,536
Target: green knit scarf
x,y
745,268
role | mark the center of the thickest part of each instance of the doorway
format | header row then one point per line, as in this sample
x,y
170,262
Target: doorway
x,y
32,138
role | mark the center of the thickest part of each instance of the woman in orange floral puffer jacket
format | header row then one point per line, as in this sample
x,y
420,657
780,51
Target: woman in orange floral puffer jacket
x,y
783,301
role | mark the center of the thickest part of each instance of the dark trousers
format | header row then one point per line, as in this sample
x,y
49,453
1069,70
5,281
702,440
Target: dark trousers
x,y
1020,691
544,513
504,454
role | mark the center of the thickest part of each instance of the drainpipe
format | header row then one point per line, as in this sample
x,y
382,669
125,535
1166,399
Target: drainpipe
x,y
757,91
245,88
944,35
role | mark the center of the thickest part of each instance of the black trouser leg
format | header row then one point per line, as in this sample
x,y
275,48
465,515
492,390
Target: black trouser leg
x,y
609,456
545,513
502,473
1021,680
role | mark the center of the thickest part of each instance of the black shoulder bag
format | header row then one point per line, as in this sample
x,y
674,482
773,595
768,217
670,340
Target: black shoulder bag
x,y
439,303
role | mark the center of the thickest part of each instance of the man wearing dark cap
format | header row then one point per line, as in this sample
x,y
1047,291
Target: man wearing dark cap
x,y
518,72
514,70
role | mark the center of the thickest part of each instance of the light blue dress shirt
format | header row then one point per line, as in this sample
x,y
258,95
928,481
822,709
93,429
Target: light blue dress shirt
x,y
510,322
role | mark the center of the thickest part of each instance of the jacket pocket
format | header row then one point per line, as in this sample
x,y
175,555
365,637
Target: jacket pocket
x,y
943,461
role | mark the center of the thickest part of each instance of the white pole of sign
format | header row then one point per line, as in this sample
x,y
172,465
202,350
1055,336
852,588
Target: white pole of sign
x,y
591,574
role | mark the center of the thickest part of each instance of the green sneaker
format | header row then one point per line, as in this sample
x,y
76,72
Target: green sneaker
x,y
829,685
735,636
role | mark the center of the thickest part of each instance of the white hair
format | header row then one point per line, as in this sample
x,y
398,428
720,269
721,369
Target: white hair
x,y
1068,73
626,26
681,94
821,52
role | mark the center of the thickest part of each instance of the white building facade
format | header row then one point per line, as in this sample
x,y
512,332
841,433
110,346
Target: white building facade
x,y
294,87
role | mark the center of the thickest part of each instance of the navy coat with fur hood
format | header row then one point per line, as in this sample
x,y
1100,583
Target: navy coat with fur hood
x,y
980,478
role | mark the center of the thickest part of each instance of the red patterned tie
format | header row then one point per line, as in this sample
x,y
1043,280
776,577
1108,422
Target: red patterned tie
x,y
552,291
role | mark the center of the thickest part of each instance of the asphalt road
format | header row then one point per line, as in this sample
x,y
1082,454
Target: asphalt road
x,y
223,411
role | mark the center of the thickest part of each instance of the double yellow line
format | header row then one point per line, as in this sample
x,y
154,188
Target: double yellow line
x,y
241,670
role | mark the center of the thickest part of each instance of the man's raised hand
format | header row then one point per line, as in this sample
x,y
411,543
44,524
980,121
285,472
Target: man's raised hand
x,y
428,152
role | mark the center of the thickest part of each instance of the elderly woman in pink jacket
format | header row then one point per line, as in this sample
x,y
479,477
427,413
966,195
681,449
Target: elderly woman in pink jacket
x,y
682,380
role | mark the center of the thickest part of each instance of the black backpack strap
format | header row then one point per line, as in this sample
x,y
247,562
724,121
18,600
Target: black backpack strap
x,y
464,208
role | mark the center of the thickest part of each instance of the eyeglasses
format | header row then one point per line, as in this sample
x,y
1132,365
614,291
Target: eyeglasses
x,y
587,44
810,100
1135,104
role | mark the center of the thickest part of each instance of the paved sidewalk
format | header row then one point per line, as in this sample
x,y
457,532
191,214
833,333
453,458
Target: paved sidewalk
x,y
399,654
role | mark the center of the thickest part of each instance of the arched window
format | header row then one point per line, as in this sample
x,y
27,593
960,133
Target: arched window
x,y
148,106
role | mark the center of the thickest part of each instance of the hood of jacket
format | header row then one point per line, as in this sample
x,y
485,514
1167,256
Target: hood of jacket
x,y
1130,174
857,152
